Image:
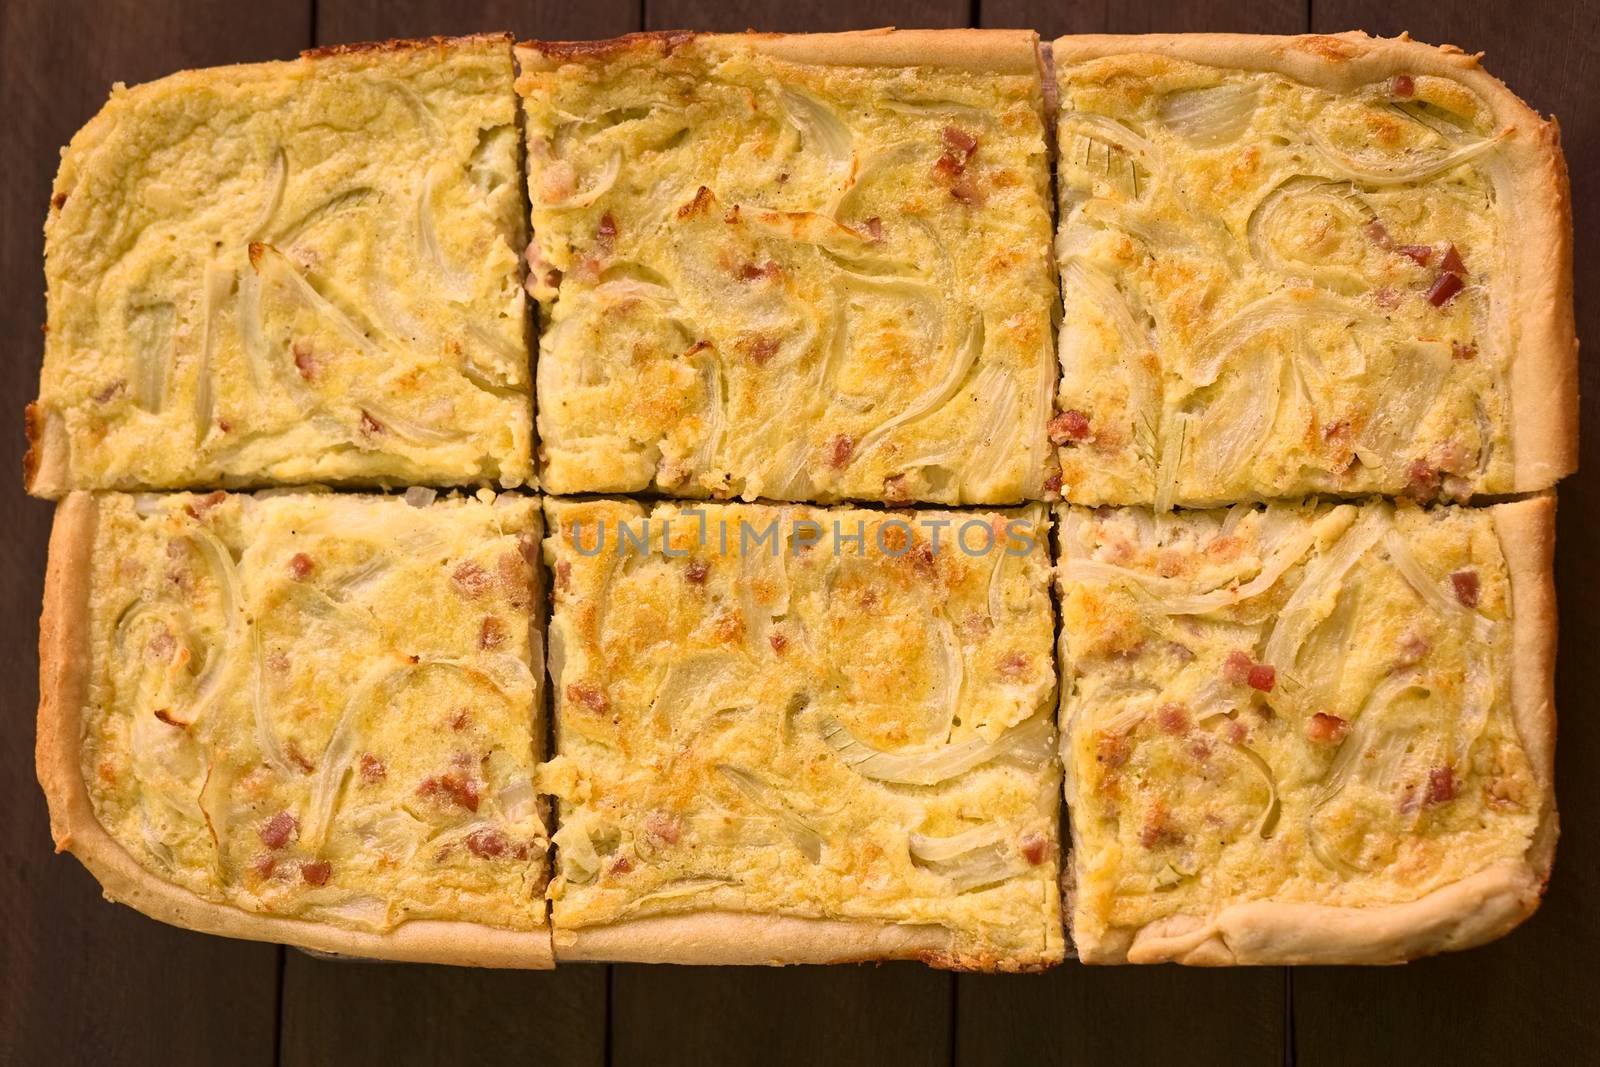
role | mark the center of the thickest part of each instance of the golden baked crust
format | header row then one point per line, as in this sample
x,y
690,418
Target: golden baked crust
x,y
291,272
1373,295
212,744
812,267
777,744
1307,734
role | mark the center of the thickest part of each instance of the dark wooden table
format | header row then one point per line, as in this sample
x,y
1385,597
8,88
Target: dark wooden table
x,y
87,981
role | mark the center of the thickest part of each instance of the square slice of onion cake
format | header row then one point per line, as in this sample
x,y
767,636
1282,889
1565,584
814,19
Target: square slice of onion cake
x,y
307,718
1299,265
797,268
800,735
291,272
1306,734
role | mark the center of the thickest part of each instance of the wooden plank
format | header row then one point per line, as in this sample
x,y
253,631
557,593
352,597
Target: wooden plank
x,y
350,1012
1093,1015
801,16
896,1013
1528,998
342,21
81,979
1052,18
1096,1015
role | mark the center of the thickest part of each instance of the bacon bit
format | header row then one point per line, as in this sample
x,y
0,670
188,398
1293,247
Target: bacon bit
x,y
486,843
840,449
1463,351
922,560
1158,828
1413,646
452,786
316,873
563,576
1069,427
491,632
701,201
1418,254
369,425
1199,748
695,572
1422,481
1325,729
605,236
894,489
460,719
1014,664
1236,668
305,361
1112,749
224,425
1386,298
1465,584
966,192
957,140
1451,263
874,227
166,716
1237,731
470,580
197,507
263,865
161,646
664,826
1402,86
1173,718
589,695
621,866
1035,847
779,643
278,830
1378,234
1453,457
301,566
1445,287
1441,786
1052,484
759,347
754,271
372,768
1263,677
105,395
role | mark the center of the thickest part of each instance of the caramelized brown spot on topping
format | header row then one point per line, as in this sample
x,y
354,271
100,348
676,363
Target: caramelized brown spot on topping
x,y
588,695
301,566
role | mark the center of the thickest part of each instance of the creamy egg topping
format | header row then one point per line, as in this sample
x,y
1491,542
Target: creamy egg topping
x,y
765,718
321,706
766,277
1274,290
1292,703
292,272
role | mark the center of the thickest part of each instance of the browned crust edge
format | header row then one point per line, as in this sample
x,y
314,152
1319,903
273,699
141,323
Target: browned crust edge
x,y
63,690
407,44
741,938
984,51
1538,323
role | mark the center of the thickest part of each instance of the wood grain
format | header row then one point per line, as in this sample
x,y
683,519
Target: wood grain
x,y
376,20
81,979
801,16
352,1013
